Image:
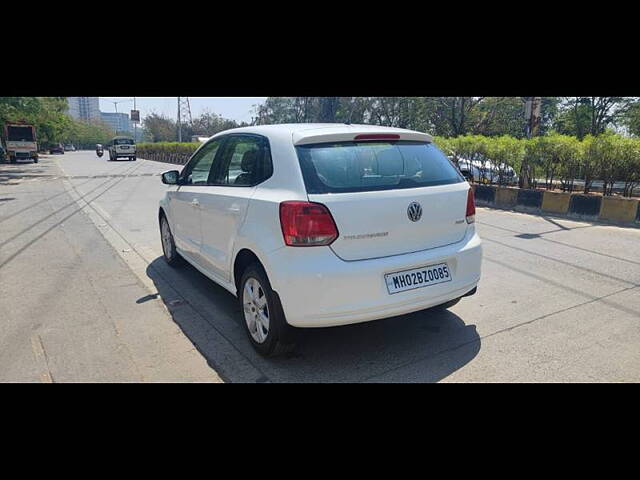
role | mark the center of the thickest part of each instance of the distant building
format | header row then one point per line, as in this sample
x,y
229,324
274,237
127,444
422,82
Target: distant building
x,y
84,108
118,122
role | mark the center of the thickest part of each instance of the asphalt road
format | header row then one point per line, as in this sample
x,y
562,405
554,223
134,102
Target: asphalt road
x,y
86,296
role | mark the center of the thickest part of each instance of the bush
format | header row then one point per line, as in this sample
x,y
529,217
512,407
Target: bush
x,y
167,152
608,157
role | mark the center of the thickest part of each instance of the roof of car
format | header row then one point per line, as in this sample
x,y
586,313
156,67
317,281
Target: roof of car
x,y
298,127
307,132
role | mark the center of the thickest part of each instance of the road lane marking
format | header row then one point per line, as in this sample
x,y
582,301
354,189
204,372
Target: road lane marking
x,y
566,244
569,264
40,355
497,332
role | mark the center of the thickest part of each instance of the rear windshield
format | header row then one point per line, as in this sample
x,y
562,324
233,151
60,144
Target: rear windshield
x,y
20,134
123,141
369,166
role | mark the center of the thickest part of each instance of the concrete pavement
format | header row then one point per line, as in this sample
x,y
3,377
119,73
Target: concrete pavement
x,y
70,309
559,300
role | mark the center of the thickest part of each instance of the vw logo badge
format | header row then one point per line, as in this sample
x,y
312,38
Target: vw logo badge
x,y
414,211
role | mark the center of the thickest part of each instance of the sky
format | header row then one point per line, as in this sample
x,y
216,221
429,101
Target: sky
x,y
234,108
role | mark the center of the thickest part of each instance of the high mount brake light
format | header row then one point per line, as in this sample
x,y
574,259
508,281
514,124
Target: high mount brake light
x,y
377,136
307,224
471,207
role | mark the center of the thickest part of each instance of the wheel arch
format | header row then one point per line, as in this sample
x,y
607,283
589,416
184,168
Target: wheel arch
x,y
242,260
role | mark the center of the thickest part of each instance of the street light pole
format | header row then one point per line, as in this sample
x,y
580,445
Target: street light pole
x,y
115,104
179,123
135,124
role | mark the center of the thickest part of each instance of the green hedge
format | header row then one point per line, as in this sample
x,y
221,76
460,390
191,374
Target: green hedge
x,y
168,152
557,158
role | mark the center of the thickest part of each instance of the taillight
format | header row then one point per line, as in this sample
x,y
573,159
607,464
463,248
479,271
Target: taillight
x,y
377,136
471,207
306,224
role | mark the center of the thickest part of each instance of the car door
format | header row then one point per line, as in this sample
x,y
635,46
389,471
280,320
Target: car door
x,y
244,163
184,202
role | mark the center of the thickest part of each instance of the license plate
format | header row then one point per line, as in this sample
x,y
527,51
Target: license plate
x,y
417,278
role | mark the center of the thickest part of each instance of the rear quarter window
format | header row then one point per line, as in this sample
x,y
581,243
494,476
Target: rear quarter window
x,y
369,166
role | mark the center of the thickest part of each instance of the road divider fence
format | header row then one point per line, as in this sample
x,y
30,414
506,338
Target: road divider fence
x,y
167,152
590,207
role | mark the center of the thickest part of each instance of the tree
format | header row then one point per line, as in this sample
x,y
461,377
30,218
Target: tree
x,y
47,114
631,118
160,128
505,152
605,150
87,135
208,124
629,164
286,110
328,108
500,116
452,116
588,164
567,151
581,116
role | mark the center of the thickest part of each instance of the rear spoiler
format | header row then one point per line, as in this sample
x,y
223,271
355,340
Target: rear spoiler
x,y
328,135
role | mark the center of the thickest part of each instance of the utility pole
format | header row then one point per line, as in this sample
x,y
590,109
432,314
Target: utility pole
x,y
532,110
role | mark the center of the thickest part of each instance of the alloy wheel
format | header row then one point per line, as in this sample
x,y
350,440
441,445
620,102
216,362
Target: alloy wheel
x,y
256,310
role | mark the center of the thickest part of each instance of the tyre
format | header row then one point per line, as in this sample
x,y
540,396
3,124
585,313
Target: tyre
x,y
133,158
35,160
171,255
262,313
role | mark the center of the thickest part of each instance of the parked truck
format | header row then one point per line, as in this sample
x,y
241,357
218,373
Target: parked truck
x,y
20,142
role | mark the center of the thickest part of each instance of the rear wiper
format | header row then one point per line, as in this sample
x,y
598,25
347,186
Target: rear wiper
x,y
406,182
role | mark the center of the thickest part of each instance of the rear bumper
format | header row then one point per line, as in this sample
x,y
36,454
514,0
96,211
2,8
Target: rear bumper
x,y
318,289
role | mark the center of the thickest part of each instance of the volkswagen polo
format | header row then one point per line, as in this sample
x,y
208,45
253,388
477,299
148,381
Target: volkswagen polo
x,y
317,225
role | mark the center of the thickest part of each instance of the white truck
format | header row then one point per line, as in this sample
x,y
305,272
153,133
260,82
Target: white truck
x,y
20,142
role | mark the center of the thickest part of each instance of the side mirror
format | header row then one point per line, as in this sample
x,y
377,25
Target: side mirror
x,y
171,177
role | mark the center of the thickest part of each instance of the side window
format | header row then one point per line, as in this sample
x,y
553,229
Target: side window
x,y
246,161
197,170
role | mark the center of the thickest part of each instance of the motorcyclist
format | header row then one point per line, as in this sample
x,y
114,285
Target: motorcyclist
x,y
99,149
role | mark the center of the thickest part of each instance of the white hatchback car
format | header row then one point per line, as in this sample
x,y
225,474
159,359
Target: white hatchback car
x,y
315,225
